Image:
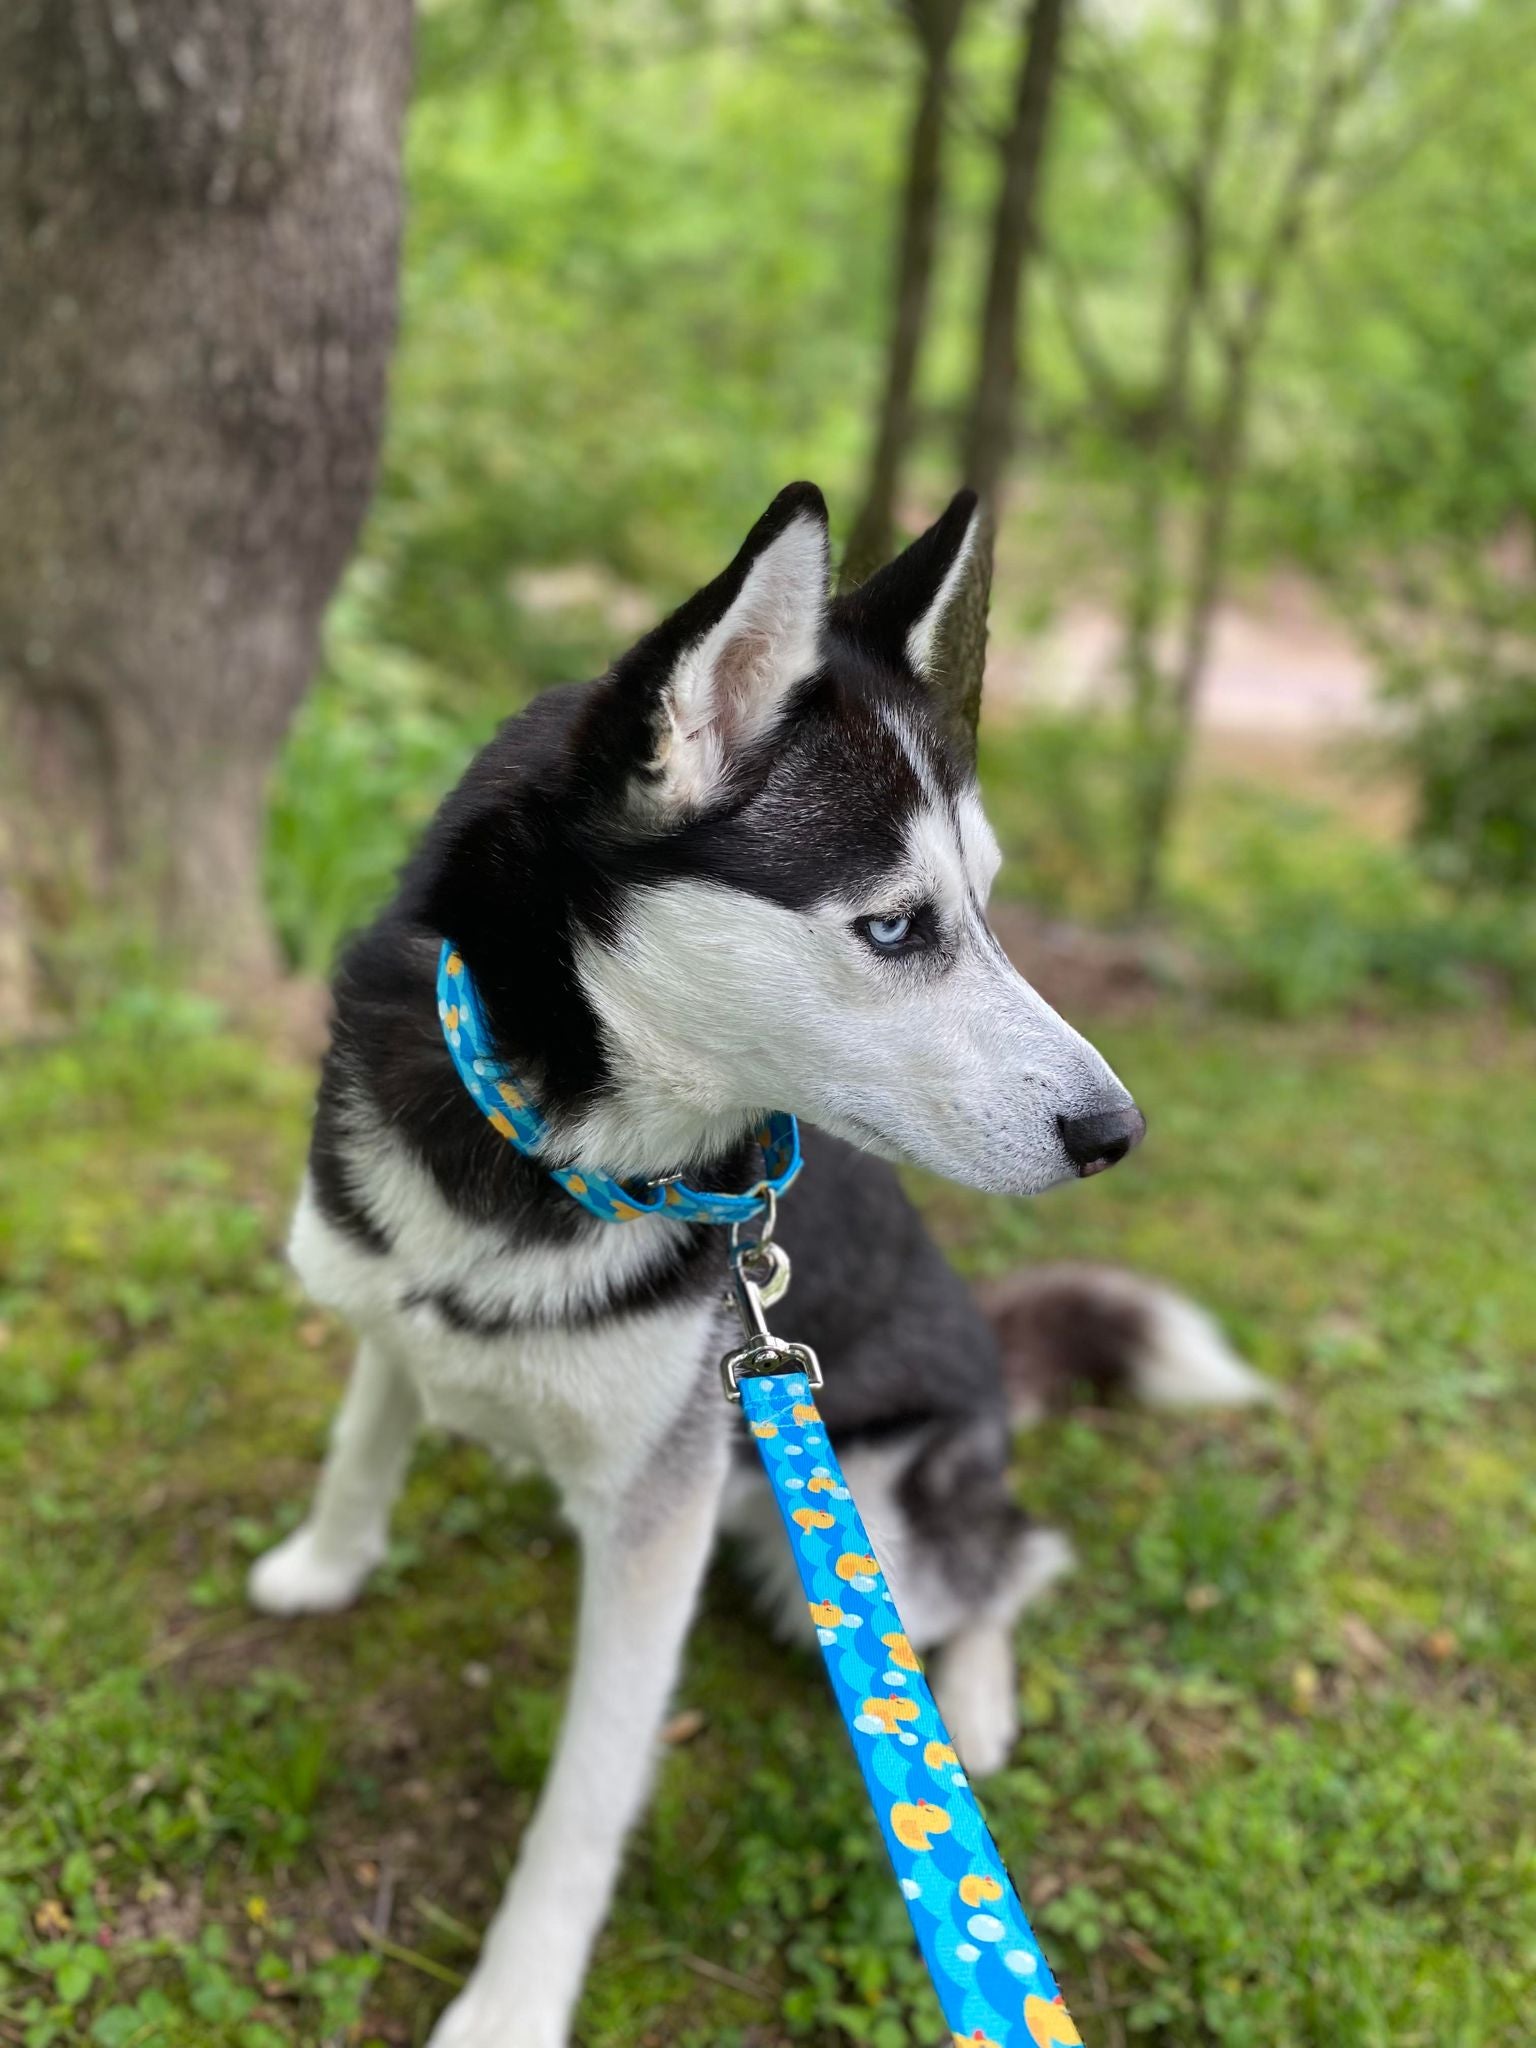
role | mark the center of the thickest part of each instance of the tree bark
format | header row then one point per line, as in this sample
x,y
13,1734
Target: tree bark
x,y
992,421
990,426
936,25
199,232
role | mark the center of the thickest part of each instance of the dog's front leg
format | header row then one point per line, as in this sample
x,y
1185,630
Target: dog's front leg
x,y
323,1565
642,1561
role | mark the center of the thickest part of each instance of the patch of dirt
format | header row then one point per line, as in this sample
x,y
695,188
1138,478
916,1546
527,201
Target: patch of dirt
x,y
1280,662
1289,699
1099,973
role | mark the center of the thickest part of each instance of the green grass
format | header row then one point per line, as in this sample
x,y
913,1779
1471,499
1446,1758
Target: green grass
x,y
1275,1785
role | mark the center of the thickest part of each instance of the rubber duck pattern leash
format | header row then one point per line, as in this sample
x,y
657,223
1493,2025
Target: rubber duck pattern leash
x,y
993,1982
511,1112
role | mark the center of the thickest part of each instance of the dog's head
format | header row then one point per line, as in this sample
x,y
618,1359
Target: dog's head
x,y
798,867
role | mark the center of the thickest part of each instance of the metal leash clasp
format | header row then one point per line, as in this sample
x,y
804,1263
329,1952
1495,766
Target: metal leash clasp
x,y
759,1279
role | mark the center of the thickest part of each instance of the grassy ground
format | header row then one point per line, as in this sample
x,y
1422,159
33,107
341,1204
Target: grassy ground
x,y
1275,1785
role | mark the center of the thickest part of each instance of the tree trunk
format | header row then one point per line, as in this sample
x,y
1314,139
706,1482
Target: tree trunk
x,y
936,24
1167,749
990,427
992,421
199,231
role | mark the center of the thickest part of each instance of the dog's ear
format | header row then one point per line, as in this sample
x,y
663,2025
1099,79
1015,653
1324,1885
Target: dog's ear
x,y
897,614
714,677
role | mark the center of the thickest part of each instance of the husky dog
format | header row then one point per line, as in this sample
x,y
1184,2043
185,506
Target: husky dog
x,y
743,871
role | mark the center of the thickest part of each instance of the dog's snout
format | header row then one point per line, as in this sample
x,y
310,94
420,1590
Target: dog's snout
x,y
1094,1143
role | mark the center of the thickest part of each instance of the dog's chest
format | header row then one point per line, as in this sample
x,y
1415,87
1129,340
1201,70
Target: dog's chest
x,y
509,1344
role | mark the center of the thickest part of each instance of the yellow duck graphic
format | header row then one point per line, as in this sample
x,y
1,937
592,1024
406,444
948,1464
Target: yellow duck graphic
x,y
976,2040
903,1656
976,1888
851,1566
913,1826
937,1754
827,1614
805,1411
888,1711
812,1518
1049,2023
765,1429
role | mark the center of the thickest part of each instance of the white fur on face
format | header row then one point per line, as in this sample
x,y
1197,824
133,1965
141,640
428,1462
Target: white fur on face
x,y
729,688
717,1004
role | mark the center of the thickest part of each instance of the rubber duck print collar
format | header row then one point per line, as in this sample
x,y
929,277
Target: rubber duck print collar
x,y
509,1110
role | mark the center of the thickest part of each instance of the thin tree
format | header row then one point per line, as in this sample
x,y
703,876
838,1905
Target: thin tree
x,y
199,229
991,423
935,26
1223,284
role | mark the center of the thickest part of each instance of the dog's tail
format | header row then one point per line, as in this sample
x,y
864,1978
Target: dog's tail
x,y
1068,1332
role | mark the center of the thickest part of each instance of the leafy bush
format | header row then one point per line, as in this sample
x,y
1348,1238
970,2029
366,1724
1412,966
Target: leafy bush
x,y
373,749
1474,764
1058,787
1295,912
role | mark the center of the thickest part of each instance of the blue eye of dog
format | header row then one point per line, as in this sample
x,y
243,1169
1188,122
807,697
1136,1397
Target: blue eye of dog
x,y
887,934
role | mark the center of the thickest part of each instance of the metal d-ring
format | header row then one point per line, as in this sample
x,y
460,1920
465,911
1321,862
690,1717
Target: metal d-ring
x,y
759,1278
762,1232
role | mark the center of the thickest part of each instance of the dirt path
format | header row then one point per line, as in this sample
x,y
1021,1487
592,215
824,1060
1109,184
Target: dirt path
x,y
1281,664
1289,698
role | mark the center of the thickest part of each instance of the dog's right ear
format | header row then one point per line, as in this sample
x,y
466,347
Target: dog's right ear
x,y
713,678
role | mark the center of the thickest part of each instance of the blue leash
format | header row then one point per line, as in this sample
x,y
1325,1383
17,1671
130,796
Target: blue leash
x,y
993,1982
994,1985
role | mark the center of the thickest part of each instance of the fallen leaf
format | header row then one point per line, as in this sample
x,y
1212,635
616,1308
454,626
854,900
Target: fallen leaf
x,y
1363,1643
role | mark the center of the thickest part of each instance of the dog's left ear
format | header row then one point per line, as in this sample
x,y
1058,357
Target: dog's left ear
x,y
714,677
897,614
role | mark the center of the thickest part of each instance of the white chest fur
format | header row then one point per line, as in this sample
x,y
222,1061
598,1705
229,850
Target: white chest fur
x,y
585,1401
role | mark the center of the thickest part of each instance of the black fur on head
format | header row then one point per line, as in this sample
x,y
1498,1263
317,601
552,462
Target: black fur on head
x,y
896,613
592,790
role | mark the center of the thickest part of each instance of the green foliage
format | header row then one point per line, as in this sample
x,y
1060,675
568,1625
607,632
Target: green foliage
x,y
1411,373
1279,905
635,306
1057,789
1474,763
1295,913
636,303
376,744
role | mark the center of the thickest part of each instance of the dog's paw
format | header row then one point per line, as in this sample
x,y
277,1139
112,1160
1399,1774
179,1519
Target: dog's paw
x,y
479,2019
974,1687
298,1577
984,1728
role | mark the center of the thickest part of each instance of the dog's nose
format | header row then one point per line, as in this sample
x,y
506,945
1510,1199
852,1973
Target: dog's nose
x,y
1095,1143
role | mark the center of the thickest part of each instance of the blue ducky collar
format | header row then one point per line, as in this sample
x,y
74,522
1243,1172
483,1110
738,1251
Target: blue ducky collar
x,y
508,1109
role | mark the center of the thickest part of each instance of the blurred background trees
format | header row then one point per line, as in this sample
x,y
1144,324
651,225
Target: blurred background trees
x,y
1228,308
